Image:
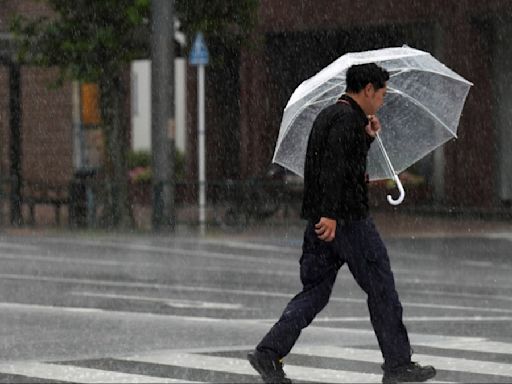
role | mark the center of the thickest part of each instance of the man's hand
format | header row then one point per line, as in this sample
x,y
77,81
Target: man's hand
x,y
374,126
326,229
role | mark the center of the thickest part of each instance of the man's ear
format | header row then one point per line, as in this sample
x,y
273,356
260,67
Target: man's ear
x,y
369,89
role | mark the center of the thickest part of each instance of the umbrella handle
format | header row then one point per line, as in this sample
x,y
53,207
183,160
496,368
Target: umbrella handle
x,y
400,189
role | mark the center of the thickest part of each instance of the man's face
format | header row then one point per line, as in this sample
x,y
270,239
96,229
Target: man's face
x,y
376,98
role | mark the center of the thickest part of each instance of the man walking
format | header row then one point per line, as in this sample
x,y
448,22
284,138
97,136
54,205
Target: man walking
x,y
339,230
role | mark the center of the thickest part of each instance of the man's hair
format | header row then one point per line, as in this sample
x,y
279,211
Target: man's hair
x,y
359,76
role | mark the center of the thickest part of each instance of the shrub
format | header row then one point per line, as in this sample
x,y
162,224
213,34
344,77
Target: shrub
x,y
139,165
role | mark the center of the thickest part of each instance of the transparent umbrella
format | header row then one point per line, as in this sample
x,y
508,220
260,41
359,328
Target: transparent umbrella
x,y
421,111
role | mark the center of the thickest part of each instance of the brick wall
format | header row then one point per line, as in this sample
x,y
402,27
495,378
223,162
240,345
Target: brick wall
x,y
46,127
28,8
46,113
464,47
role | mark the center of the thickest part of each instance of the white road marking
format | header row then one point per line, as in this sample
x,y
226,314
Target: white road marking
x,y
106,312
239,292
226,243
440,362
70,280
420,318
412,255
479,264
239,366
455,307
173,250
221,348
431,305
23,247
78,374
460,294
197,304
188,253
68,260
244,269
170,252
130,263
476,345
420,339
135,284
498,236
250,246
503,282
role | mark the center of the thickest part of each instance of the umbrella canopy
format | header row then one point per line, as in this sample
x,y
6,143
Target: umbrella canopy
x,y
420,112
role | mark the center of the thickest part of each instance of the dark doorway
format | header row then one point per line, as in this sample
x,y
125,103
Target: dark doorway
x,y
295,56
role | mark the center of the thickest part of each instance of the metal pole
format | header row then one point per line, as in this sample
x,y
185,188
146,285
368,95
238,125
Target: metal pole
x,y
15,156
78,146
201,142
162,111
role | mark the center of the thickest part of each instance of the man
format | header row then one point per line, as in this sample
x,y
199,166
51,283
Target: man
x,y
340,230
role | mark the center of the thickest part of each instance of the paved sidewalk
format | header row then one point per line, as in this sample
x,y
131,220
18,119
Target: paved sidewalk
x,y
390,224
404,224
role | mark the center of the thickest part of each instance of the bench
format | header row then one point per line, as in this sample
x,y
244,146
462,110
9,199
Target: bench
x,y
35,192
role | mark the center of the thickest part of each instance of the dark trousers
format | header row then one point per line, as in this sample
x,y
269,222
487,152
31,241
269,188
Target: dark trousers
x,y
360,246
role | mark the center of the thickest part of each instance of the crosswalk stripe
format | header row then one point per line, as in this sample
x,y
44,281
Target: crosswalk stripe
x,y
234,364
175,303
56,372
444,363
476,345
352,319
240,366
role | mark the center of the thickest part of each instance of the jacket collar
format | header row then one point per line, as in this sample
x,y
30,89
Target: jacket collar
x,y
355,106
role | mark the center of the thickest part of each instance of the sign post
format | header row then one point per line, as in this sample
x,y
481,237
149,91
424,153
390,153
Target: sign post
x,y
199,57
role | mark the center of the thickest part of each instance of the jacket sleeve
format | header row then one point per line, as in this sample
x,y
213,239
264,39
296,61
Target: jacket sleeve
x,y
369,141
335,167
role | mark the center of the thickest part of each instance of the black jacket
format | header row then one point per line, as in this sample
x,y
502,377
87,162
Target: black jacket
x,y
335,180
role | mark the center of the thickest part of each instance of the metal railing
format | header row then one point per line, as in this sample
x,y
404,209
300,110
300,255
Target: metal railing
x,y
230,203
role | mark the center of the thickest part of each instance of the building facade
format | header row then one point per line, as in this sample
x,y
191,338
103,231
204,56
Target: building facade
x,y
248,88
295,39
45,111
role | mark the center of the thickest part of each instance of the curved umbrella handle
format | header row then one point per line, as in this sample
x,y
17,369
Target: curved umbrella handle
x,y
400,189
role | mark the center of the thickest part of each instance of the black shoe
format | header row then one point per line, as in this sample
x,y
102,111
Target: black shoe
x,y
412,372
271,371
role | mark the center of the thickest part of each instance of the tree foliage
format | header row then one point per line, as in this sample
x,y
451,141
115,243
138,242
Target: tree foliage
x,y
95,40
229,20
89,39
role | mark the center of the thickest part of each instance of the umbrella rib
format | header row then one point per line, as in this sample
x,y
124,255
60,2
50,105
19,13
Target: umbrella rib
x,y
399,71
415,102
386,157
417,158
336,82
316,101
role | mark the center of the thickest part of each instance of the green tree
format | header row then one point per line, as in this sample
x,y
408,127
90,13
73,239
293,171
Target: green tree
x,y
230,21
95,40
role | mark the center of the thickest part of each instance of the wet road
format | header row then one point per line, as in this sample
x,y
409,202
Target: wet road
x,y
86,308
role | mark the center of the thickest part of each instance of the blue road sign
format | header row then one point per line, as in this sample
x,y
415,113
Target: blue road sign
x,y
199,54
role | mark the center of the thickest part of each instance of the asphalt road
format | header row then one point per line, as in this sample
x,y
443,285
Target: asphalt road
x,y
97,308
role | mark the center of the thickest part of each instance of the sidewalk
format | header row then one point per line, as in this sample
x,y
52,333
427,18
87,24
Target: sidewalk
x,y
418,225
389,224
